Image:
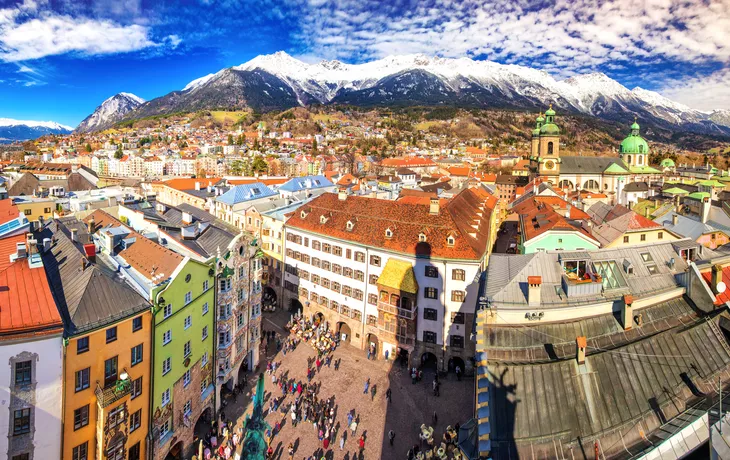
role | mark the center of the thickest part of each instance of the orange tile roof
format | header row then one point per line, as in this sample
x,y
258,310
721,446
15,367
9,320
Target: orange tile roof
x,y
8,210
458,171
26,301
189,183
723,297
277,181
532,211
7,247
371,217
407,162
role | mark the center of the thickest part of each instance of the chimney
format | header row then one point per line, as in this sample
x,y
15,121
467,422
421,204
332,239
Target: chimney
x,y
46,244
627,312
197,186
187,218
434,208
21,250
92,226
342,195
567,211
581,344
74,235
716,278
646,212
705,209
31,244
675,219
533,290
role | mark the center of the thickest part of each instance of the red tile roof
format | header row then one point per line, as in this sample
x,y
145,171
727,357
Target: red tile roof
x,y
371,217
277,181
538,217
26,301
408,162
189,184
721,298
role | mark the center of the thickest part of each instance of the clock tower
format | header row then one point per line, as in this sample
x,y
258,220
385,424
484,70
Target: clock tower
x,y
548,146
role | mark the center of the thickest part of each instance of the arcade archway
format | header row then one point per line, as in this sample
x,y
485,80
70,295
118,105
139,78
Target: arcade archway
x,y
295,306
429,361
345,332
373,345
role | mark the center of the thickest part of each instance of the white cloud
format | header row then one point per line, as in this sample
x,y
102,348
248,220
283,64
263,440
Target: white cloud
x,y
26,34
703,93
576,34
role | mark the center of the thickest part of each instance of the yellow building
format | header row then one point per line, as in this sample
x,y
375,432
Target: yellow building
x,y
33,208
107,350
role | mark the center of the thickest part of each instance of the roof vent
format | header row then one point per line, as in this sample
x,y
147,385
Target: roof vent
x,y
388,233
21,250
323,219
434,206
421,237
350,225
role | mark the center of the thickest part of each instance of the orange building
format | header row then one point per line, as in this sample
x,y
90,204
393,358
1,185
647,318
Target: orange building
x,y
107,349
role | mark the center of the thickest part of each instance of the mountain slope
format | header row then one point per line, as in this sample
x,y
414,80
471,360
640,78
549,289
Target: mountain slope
x,y
109,112
19,130
279,81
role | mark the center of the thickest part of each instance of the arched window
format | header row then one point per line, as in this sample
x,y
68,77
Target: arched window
x,y
641,149
628,159
383,296
394,298
550,148
566,184
640,158
591,185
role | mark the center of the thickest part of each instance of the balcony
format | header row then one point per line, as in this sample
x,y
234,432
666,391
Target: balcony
x,y
114,392
395,310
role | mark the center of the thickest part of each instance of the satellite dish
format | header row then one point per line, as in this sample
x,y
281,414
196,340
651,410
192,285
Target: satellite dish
x,y
720,287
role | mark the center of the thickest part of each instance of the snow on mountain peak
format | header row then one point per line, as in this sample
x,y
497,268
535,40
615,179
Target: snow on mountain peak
x,y
31,123
134,97
110,111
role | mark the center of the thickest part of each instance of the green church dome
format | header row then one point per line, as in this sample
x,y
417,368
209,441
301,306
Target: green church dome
x,y
667,163
635,126
540,118
549,129
536,132
634,144
550,111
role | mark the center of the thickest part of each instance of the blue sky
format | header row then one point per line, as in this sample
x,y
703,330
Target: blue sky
x,y
60,58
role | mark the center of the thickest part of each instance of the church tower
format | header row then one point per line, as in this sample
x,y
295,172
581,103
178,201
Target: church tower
x,y
634,150
535,146
549,148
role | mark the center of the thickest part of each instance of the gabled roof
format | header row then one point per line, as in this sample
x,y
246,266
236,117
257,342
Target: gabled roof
x,y
398,274
537,216
297,184
592,165
26,302
243,193
611,222
88,295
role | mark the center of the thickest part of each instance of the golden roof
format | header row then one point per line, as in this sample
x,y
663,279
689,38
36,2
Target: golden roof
x,y
398,274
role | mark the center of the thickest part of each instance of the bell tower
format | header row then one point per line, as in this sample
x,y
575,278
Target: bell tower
x,y
549,148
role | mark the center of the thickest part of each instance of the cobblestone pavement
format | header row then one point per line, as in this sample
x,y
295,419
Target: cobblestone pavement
x,y
411,406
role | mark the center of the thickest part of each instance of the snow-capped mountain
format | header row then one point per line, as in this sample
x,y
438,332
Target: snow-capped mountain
x,y
279,81
20,130
110,111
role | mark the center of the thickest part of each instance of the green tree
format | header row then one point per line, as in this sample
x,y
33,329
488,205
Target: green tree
x,y
237,167
88,148
255,144
259,165
314,145
118,154
230,139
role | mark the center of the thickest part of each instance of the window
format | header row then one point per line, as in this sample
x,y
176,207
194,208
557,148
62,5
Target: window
x,y
347,272
25,456
164,429
337,269
337,251
206,285
27,212
134,452
81,452
373,299
23,372
348,253
643,237
375,260
136,324
205,332
205,309
188,297
81,417
326,248
166,337
115,416
458,274
186,349
82,345
168,311
359,257
225,284
431,293
431,272
646,257
203,385
166,366
316,245
429,337
336,286
110,371
136,387
83,379
430,314
457,318
135,420
660,235
165,397
186,378
457,296
345,310
372,320
359,276
652,269
204,359
626,239
137,354
111,334
457,341
188,408
357,294
347,291
188,321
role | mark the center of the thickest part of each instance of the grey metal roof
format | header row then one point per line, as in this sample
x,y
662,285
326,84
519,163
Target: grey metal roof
x,y
507,275
588,165
537,410
89,297
636,187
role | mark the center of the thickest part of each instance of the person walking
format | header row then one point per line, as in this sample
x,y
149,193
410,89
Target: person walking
x,y
458,373
342,441
391,437
372,392
361,443
367,386
388,395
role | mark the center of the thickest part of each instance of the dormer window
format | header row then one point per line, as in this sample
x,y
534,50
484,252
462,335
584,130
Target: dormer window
x,y
350,225
303,214
388,233
450,241
421,237
322,219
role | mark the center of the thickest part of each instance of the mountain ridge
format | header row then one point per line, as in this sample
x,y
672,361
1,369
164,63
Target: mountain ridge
x,y
21,130
109,112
